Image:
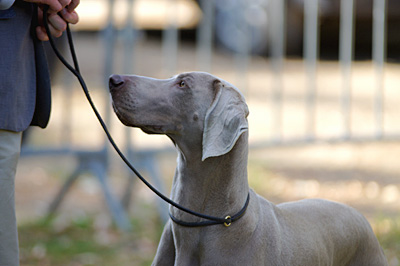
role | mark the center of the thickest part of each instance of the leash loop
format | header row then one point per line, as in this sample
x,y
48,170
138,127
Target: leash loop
x,y
76,72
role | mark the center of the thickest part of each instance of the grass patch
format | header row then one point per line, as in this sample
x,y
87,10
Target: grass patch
x,y
84,242
41,244
388,232
81,243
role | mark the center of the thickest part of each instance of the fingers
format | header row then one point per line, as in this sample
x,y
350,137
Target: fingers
x,y
69,14
70,17
55,5
60,13
40,30
41,34
60,3
71,7
56,26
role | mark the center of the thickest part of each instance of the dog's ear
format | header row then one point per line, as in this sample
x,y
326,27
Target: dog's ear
x,y
225,121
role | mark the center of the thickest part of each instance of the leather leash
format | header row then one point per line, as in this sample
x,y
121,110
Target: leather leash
x,y
227,220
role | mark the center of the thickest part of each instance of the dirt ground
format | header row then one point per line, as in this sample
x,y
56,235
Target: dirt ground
x,y
363,174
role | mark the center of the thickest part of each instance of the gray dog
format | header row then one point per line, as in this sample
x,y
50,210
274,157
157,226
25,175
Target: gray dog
x,y
206,118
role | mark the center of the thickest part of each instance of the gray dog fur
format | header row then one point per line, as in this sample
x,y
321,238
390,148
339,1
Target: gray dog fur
x,y
206,118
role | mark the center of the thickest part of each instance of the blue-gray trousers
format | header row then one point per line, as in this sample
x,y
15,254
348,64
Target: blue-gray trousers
x,y
10,145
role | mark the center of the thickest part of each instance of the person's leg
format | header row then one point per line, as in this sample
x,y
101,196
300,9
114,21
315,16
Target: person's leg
x,y
10,146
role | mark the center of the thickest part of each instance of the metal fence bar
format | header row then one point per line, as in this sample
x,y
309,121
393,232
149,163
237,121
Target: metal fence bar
x,y
310,60
129,44
170,40
242,56
129,39
378,57
96,162
205,36
66,136
109,38
277,37
144,159
345,58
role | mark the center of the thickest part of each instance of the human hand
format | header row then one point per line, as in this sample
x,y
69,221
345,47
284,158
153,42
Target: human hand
x,y
60,13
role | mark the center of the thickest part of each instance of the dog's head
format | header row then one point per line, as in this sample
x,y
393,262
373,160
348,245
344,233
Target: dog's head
x,y
192,105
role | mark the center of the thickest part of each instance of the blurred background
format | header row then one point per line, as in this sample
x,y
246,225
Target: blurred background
x,y
321,78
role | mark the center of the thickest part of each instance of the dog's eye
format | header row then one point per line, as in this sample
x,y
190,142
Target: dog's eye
x,y
182,84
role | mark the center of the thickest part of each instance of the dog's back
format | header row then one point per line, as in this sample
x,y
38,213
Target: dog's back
x,y
321,232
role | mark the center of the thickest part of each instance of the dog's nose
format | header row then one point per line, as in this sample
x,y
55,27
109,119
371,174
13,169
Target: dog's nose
x,y
116,81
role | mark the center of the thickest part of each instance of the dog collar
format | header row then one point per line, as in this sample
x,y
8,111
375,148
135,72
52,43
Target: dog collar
x,y
227,221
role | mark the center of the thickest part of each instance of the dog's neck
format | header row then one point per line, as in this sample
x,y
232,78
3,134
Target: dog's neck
x,y
217,186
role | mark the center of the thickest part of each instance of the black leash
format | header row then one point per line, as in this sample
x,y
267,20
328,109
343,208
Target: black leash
x,y
76,72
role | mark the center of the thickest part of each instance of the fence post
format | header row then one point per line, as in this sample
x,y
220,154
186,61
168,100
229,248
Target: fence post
x,y
311,55
205,36
378,57
345,58
170,40
277,37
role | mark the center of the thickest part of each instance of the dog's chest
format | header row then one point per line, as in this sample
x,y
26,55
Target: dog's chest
x,y
187,246
199,246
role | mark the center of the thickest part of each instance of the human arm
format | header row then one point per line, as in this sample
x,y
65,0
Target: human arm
x,y
6,4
